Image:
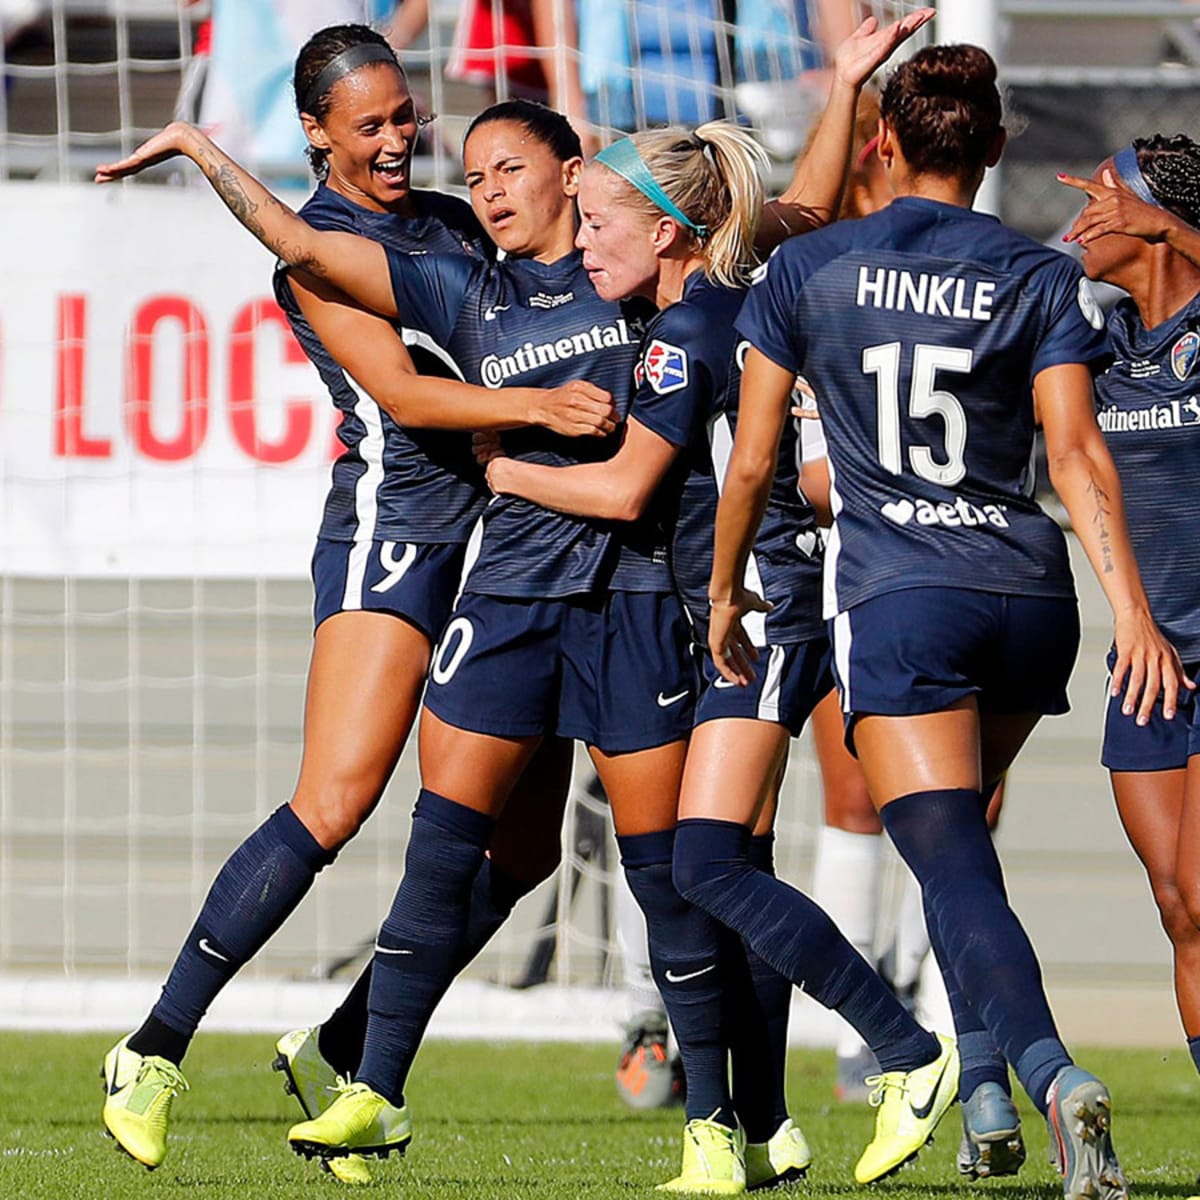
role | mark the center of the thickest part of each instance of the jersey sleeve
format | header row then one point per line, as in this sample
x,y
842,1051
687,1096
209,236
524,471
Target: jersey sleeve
x,y
1074,331
675,382
766,319
430,290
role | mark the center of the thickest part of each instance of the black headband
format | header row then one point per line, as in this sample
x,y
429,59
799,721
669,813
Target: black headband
x,y
342,65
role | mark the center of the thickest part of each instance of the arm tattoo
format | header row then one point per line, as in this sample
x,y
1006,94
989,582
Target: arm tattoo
x,y
1100,515
230,188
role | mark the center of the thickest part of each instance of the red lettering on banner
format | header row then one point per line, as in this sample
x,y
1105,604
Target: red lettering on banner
x,y
242,399
139,387
70,440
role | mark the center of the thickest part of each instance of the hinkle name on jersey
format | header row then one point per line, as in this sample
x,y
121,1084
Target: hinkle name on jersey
x,y
929,295
496,369
1175,414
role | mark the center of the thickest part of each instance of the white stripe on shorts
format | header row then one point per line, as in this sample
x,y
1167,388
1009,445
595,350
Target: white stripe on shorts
x,y
768,702
366,497
842,637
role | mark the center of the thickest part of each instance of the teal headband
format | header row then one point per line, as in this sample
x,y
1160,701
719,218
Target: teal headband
x,y
623,159
1126,162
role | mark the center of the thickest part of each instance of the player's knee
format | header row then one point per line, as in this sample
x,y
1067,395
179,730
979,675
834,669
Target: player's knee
x,y
335,813
698,877
1178,909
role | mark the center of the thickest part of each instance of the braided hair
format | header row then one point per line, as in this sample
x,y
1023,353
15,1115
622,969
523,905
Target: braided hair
x,y
1171,167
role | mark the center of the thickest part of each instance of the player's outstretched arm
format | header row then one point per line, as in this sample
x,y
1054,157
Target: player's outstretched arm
x,y
1111,209
814,196
1086,480
617,490
370,350
355,264
762,410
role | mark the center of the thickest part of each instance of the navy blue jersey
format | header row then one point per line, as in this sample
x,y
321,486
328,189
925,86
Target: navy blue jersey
x,y
1149,402
921,329
688,378
522,323
404,485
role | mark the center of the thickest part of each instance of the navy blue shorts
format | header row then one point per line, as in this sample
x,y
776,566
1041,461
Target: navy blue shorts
x,y
411,580
1161,745
920,650
788,683
613,671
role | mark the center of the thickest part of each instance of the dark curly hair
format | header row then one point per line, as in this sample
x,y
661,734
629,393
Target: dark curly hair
x,y
315,55
550,128
1171,167
945,109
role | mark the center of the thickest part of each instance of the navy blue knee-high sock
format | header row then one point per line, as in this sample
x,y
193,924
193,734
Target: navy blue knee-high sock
x,y
420,944
945,841
1193,1044
759,1091
256,890
494,893
686,961
794,935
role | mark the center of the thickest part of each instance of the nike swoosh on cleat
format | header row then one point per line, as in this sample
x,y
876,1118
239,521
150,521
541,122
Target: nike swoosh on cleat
x,y
388,950
923,1112
209,950
673,978
667,701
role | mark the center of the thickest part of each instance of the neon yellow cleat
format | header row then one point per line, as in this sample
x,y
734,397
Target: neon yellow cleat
x,y
360,1121
786,1156
714,1161
138,1094
306,1074
910,1106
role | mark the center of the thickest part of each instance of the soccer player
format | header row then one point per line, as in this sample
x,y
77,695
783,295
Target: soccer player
x,y
936,339
1139,232
386,570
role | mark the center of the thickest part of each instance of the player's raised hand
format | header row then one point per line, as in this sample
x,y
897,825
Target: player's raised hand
x,y
733,653
870,46
1113,209
1147,665
170,142
577,409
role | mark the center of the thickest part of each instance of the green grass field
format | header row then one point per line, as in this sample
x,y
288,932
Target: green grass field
x,y
541,1121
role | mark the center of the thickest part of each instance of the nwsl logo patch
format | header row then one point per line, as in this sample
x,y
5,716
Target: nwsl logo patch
x,y
1184,353
664,367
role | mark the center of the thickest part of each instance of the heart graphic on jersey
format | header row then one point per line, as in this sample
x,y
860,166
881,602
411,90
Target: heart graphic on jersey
x,y
900,512
806,543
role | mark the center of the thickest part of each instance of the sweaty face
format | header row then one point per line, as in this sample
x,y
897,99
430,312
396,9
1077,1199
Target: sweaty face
x,y
369,131
616,238
1110,256
522,194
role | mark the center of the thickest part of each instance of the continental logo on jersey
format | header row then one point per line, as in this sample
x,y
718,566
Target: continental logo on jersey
x,y
664,367
1183,354
959,515
496,369
1173,415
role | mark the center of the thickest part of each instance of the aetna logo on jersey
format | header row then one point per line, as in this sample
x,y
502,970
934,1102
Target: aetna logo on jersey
x,y
961,514
497,369
1174,415
928,295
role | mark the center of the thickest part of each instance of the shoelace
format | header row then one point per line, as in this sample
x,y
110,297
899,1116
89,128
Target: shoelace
x,y
340,1084
163,1074
880,1085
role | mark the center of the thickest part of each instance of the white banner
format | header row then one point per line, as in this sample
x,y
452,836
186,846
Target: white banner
x,y
157,418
